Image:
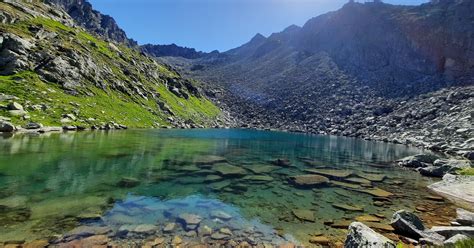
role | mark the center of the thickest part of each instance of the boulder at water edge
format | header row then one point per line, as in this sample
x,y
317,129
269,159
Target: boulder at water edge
x,y
409,225
361,235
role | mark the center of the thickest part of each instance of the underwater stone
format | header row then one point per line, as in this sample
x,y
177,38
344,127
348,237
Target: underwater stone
x,y
331,173
308,180
128,182
221,215
347,207
304,215
228,170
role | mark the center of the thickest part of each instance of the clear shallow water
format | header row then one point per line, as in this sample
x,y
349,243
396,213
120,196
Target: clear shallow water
x,y
52,183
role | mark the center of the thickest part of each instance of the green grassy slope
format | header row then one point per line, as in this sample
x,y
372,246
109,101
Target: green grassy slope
x,y
95,102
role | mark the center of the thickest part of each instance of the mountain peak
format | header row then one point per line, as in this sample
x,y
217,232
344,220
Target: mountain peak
x,y
258,37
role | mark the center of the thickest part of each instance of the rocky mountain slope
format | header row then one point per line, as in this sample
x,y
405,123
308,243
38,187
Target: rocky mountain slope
x,y
53,72
94,21
354,72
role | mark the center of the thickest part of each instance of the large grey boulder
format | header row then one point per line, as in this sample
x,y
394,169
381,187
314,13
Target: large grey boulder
x,y
435,171
464,217
408,224
361,235
450,231
6,127
454,163
459,189
416,161
454,239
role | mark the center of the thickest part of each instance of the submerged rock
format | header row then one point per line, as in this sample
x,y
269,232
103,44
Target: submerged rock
x,y
361,235
331,173
321,240
209,160
258,178
304,215
221,215
373,177
260,169
228,170
128,182
309,180
283,162
408,224
347,207
189,221
378,192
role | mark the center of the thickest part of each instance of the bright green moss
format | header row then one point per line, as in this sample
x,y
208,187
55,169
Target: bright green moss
x,y
467,171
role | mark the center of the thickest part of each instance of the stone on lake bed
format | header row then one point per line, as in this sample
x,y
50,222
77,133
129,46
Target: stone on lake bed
x,y
190,219
145,229
347,207
341,224
221,215
258,178
358,180
378,192
343,192
308,180
209,160
304,215
260,169
212,178
228,170
219,185
331,173
283,162
321,240
169,227
373,177
368,218
128,182
345,185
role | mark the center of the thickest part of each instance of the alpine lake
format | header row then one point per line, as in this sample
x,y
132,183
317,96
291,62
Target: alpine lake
x,y
208,186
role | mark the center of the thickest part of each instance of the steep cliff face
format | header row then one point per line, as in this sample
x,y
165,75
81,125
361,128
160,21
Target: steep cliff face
x,y
60,74
94,21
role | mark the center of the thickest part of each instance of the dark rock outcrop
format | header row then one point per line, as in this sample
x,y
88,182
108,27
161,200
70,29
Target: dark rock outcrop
x,y
408,224
171,50
94,21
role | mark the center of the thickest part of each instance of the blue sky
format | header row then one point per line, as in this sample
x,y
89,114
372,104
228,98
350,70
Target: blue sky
x,y
213,24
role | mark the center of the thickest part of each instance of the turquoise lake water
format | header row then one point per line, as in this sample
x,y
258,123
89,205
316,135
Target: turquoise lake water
x,y
53,183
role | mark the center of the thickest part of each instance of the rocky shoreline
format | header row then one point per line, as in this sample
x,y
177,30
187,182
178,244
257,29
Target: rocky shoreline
x,y
188,231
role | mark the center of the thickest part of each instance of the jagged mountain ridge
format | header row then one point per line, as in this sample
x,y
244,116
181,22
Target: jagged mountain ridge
x,y
94,21
63,75
172,50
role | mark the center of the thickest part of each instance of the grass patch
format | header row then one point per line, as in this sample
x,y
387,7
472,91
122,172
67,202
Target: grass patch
x,y
467,172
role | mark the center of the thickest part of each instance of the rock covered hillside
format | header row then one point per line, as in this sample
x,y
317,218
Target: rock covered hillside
x,y
369,70
53,72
